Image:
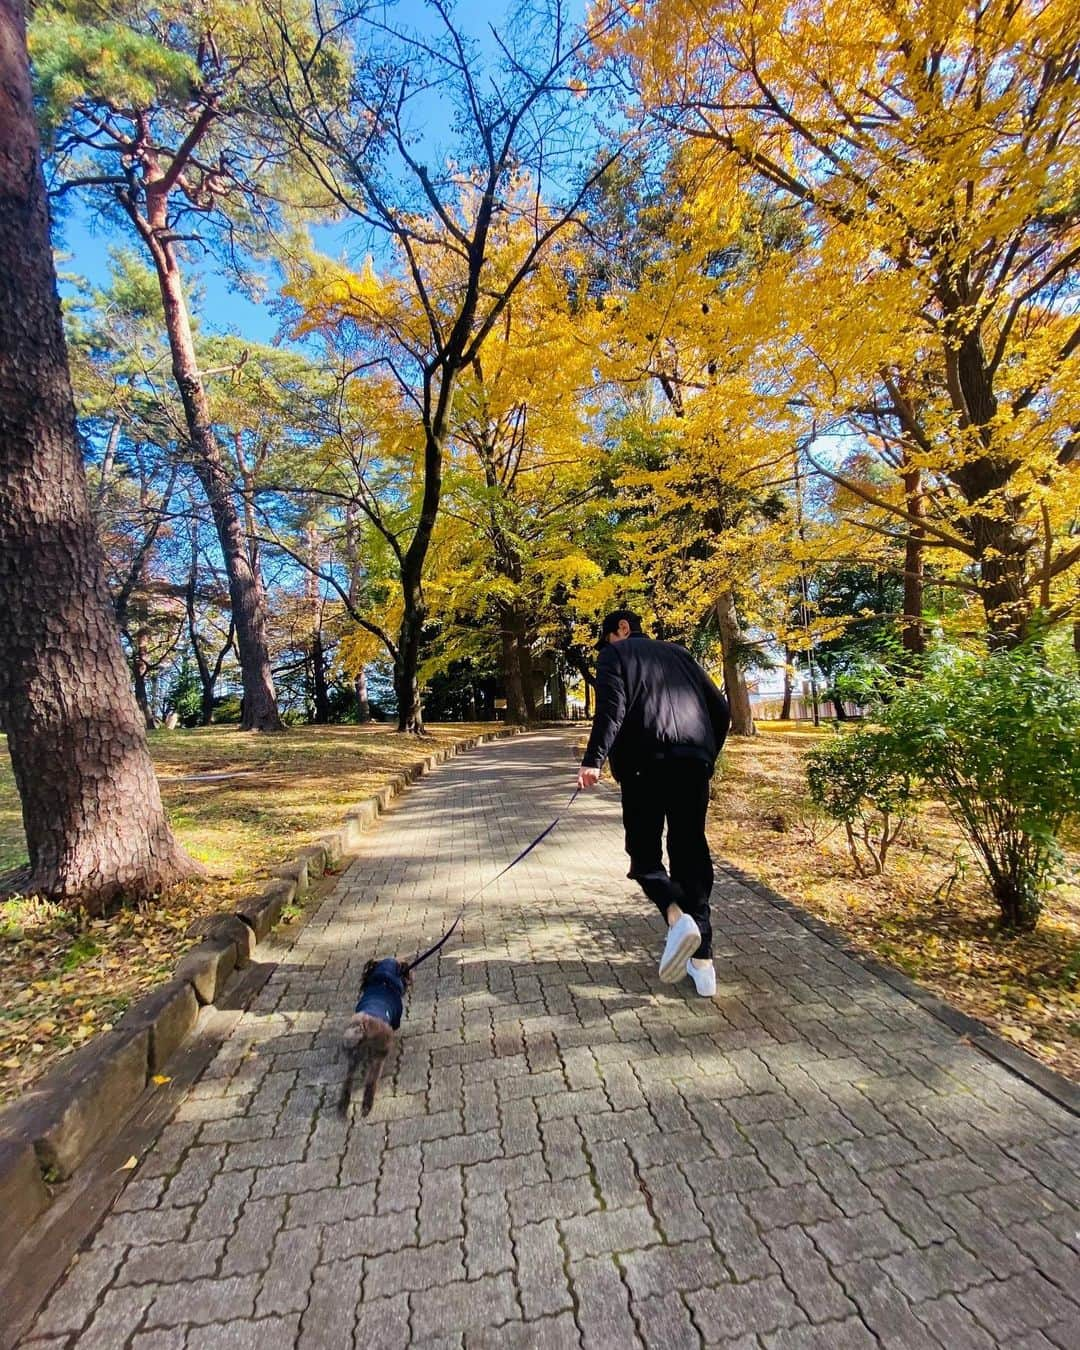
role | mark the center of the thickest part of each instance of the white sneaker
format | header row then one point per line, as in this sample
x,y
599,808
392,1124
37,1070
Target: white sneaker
x,y
684,937
704,978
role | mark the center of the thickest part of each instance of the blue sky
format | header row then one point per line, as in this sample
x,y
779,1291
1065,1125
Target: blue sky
x,y
84,243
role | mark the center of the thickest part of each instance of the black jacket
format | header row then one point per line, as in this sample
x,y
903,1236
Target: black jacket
x,y
653,701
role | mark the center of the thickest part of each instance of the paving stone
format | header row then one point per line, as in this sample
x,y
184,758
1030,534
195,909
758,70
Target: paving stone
x,y
168,1262
155,1225
290,1272
613,1230
548,1333
539,1262
325,1208
847,1240
370,1236
883,1308
120,1313
673,1270
665,1322
737,1237
945,1268
414,1268
756,1307
218,1213
673,1204
463,1150
954,1325
267,1333
70,1307
850,1334
552,1200
328,1321
780,1206
1026,1302
204,1300
383,1323
488,1301
807,1274
487,1234
603,1307
442,1195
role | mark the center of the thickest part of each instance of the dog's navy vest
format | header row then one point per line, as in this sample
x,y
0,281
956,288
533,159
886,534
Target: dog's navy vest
x,y
382,993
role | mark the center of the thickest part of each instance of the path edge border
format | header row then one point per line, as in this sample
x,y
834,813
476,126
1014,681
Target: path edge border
x,y
1018,1062
58,1125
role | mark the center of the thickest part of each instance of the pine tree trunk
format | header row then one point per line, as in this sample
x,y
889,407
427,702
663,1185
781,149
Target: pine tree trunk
x,y
95,826
738,695
260,711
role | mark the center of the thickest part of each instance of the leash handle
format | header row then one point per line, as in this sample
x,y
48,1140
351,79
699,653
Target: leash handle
x,y
419,960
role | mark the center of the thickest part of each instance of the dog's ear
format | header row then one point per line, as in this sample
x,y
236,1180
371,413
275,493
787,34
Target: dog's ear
x,y
405,971
367,970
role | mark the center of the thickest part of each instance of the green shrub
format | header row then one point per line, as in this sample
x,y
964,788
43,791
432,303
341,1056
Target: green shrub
x,y
865,782
997,737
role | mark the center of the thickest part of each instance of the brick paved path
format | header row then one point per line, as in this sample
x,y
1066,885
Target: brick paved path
x,y
567,1152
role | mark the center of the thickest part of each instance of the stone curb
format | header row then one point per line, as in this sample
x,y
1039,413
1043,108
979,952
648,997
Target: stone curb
x,y
48,1133
1052,1084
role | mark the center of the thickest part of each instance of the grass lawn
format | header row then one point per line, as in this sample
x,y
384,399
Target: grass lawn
x,y
943,935
63,979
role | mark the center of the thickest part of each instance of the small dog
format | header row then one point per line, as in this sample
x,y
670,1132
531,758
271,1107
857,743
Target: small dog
x,y
373,1025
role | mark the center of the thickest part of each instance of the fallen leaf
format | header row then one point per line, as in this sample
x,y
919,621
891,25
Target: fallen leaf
x,y
131,1162
160,1078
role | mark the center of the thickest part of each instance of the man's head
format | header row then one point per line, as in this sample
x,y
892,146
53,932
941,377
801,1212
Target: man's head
x,y
619,624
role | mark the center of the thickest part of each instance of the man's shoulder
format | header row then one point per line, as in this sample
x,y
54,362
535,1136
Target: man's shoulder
x,y
657,647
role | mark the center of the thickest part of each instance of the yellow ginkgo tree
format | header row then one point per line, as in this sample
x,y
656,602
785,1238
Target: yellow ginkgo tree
x,y
930,155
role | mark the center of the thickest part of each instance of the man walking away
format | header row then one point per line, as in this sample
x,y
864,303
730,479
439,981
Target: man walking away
x,y
660,721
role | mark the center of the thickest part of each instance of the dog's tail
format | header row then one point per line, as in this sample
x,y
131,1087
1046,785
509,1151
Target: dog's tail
x,y
353,1045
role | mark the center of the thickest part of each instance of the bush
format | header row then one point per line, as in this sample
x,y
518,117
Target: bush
x,y
997,737
865,782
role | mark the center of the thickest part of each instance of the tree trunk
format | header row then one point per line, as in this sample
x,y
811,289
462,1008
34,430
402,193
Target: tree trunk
x,y
107,461
319,689
140,669
260,712
738,695
516,710
525,665
95,827
912,631
363,707
406,684
785,710
319,696
562,709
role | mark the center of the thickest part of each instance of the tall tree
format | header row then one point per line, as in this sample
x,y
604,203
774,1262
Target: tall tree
x,y
930,151
95,826
436,210
152,118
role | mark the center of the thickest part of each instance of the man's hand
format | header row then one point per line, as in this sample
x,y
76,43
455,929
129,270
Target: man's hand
x,y
587,778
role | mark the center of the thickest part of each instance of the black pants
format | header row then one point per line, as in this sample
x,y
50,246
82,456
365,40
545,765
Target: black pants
x,y
676,792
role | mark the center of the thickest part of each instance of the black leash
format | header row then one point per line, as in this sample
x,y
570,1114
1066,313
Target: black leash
x,y
523,854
